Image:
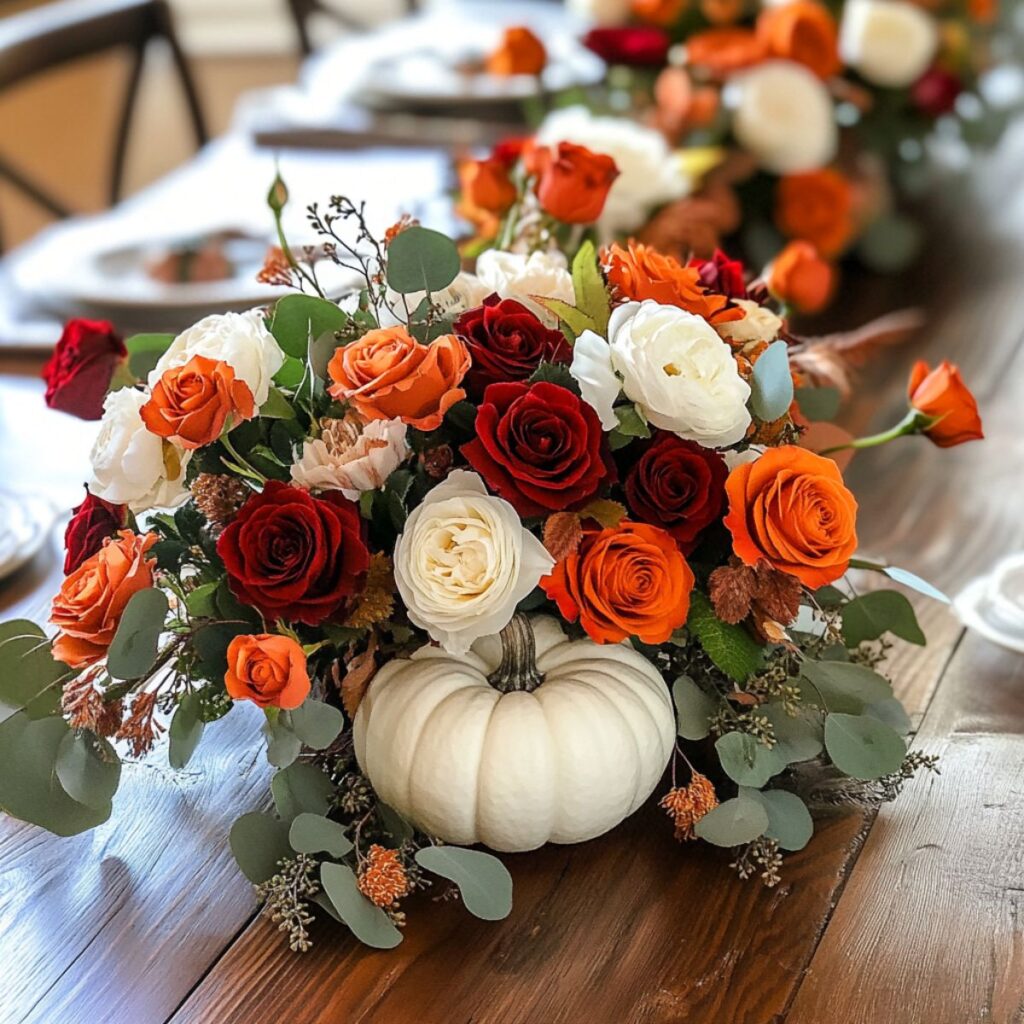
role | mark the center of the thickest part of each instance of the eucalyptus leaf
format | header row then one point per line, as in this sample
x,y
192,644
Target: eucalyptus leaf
x,y
291,373
796,737
259,841
397,827
200,602
734,822
313,833
186,730
317,724
368,923
694,709
30,677
869,616
892,713
730,647
421,260
819,404
909,579
277,407
298,318
283,745
863,747
789,821
747,761
843,686
483,881
301,787
771,383
88,769
133,650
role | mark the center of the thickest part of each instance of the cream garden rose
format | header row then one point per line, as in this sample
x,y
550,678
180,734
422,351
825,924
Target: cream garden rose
x,y
465,292
889,42
514,275
759,324
464,561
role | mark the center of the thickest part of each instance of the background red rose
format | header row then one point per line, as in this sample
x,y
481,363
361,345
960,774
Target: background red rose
x,y
722,275
635,47
539,446
293,556
91,524
78,373
679,486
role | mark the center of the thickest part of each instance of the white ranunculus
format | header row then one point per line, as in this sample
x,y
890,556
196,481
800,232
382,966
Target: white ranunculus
x,y
592,369
888,42
649,175
679,372
465,292
606,13
514,275
758,324
782,115
128,462
464,561
239,339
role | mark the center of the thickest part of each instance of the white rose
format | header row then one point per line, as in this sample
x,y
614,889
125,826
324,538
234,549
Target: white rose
x,y
735,459
351,457
464,561
888,42
514,275
465,292
679,372
758,324
128,466
239,339
783,116
592,369
606,13
649,175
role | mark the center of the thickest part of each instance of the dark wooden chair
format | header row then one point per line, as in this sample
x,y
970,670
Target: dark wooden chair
x,y
303,11
46,37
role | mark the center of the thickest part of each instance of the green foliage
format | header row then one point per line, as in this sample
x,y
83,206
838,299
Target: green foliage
x,y
590,291
797,738
694,709
313,833
186,730
631,422
843,686
909,579
133,650
771,384
819,404
277,406
892,713
283,745
144,352
483,881
869,616
298,319
734,822
88,769
863,747
292,371
368,923
421,260
317,724
301,787
30,678
555,373
258,842
210,644
747,761
572,318
789,821
731,648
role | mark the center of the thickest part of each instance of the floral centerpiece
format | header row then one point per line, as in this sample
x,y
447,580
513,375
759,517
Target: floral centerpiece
x,y
498,555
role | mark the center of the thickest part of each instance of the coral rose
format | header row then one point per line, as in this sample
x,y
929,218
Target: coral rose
x,y
78,373
624,581
800,278
942,394
519,53
269,670
190,404
485,192
802,31
88,609
91,524
387,374
574,183
816,207
724,50
791,509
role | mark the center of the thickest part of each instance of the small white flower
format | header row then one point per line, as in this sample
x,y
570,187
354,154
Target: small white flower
x,y
128,462
759,324
592,369
889,42
239,339
514,275
679,372
464,561
465,292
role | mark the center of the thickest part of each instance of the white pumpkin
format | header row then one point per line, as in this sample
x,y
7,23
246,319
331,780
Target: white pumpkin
x,y
529,738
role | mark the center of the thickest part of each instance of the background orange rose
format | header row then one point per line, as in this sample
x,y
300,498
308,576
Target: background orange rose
x,y
88,609
942,393
724,50
800,278
268,669
817,207
574,183
658,12
519,53
792,510
802,31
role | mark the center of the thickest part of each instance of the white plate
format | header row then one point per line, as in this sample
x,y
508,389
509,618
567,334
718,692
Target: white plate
x,y
993,604
25,523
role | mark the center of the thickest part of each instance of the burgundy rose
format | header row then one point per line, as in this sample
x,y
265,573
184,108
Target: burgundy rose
x,y
91,524
295,557
637,47
506,342
679,486
539,447
936,91
722,275
78,373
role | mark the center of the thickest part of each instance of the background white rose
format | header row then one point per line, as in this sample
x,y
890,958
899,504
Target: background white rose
x,y
128,461
239,339
514,275
465,292
352,458
464,561
889,42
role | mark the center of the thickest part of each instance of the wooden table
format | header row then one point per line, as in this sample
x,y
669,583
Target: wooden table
x,y
913,915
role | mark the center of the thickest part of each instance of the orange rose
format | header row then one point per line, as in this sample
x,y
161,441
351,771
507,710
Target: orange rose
x,y
88,609
724,50
573,182
722,12
800,278
801,31
387,374
519,53
792,510
191,403
485,193
942,394
639,272
816,206
268,669
622,581
658,12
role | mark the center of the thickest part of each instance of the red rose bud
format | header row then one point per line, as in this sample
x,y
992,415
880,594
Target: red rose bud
x,y
722,275
634,47
78,373
91,524
935,92
507,342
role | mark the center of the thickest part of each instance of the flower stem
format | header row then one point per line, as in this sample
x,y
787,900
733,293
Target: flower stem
x,y
912,423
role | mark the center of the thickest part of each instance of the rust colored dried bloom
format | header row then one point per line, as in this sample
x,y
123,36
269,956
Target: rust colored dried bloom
x,y
140,728
382,878
377,600
405,221
687,805
86,709
275,270
219,497
437,461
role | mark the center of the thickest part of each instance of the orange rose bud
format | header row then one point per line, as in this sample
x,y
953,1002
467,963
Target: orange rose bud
x,y
574,183
817,207
622,581
724,50
801,31
387,374
658,12
519,53
191,403
88,609
942,394
800,278
486,184
792,510
269,670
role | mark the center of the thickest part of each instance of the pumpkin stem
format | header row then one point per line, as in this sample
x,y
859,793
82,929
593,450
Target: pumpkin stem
x,y
518,669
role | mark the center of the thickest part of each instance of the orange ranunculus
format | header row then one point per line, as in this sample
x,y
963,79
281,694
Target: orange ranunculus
x,y
792,510
639,272
88,609
387,374
519,53
800,278
802,31
268,669
941,393
191,403
623,581
724,50
816,206
658,12
573,183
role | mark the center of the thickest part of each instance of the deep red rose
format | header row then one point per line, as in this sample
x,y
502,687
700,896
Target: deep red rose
x,y
635,47
539,447
722,274
91,524
78,373
509,150
936,91
506,342
293,556
679,486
